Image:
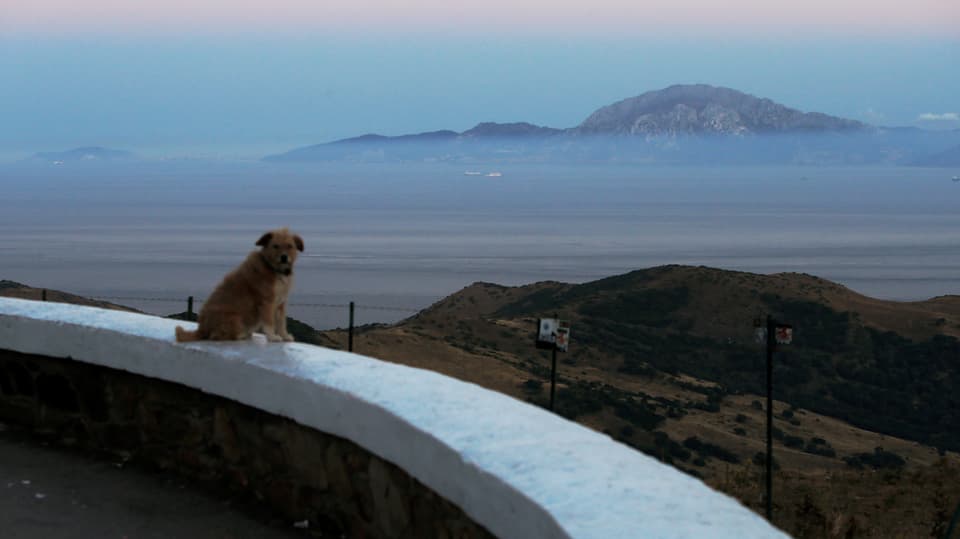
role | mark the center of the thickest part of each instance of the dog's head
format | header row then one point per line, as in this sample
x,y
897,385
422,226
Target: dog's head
x,y
280,248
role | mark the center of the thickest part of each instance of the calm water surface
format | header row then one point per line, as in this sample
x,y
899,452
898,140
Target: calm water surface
x,y
403,236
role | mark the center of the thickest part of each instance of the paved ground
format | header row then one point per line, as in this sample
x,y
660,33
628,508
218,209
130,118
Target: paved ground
x,y
53,493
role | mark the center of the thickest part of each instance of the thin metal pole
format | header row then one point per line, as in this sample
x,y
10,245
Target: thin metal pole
x,y
350,331
189,307
43,294
771,343
953,523
553,376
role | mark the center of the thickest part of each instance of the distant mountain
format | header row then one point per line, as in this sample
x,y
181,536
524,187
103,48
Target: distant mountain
x,y
704,109
419,146
418,137
516,129
693,124
86,154
946,158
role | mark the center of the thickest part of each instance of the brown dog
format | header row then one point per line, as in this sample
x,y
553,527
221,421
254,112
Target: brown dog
x,y
252,297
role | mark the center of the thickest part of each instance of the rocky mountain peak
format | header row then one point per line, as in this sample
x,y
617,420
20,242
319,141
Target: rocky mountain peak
x,y
702,109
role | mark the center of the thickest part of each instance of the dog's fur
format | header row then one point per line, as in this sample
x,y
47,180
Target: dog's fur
x,y
252,297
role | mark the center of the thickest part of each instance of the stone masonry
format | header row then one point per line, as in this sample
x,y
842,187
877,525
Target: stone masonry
x,y
239,451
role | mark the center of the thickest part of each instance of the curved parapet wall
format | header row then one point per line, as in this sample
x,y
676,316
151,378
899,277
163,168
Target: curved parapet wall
x,y
516,470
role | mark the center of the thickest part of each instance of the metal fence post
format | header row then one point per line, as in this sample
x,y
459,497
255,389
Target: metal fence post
x,y
953,523
350,330
43,294
771,345
189,307
553,376
553,365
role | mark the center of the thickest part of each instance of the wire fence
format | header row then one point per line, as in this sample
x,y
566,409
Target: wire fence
x,y
195,300
191,313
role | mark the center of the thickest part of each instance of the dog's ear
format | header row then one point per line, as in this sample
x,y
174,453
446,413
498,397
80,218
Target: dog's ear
x,y
265,239
299,241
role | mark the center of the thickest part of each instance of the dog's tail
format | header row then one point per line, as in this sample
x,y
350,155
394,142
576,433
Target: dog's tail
x,y
185,336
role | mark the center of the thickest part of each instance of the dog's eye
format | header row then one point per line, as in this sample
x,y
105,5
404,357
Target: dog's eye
x,y
289,246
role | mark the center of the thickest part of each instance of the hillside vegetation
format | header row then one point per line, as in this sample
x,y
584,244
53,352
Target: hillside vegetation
x,y
665,360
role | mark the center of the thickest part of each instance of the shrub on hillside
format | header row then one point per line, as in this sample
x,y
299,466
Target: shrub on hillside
x,y
709,450
533,386
880,459
760,459
651,307
638,413
819,446
793,442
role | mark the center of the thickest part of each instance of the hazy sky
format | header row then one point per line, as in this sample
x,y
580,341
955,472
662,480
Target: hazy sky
x,y
246,78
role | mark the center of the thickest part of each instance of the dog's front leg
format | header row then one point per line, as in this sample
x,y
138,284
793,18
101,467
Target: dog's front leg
x,y
280,323
267,321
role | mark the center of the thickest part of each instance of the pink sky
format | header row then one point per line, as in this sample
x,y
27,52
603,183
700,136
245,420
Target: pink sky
x,y
916,18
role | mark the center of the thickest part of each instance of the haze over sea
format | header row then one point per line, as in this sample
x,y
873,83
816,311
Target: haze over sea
x,y
403,236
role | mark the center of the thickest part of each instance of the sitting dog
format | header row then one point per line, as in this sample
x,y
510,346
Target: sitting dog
x,y
252,297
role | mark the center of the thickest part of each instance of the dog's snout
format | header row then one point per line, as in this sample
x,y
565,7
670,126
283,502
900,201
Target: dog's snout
x,y
284,259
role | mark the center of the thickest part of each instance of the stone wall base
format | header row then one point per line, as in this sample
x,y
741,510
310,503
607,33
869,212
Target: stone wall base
x,y
298,472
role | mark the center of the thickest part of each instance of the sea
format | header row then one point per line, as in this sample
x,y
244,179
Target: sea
x,y
395,238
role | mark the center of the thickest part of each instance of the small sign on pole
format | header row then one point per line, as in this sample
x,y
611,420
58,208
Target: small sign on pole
x,y
563,335
772,334
547,333
553,334
784,333
759,331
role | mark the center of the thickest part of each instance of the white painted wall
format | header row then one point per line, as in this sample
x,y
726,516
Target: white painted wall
x,y
518,470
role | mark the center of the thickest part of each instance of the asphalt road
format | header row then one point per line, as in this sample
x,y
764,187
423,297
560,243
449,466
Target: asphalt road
x,y
54,493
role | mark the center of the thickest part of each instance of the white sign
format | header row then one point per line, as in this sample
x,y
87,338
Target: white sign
x,y
563,335
553,333
547,332
784,334
760,335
